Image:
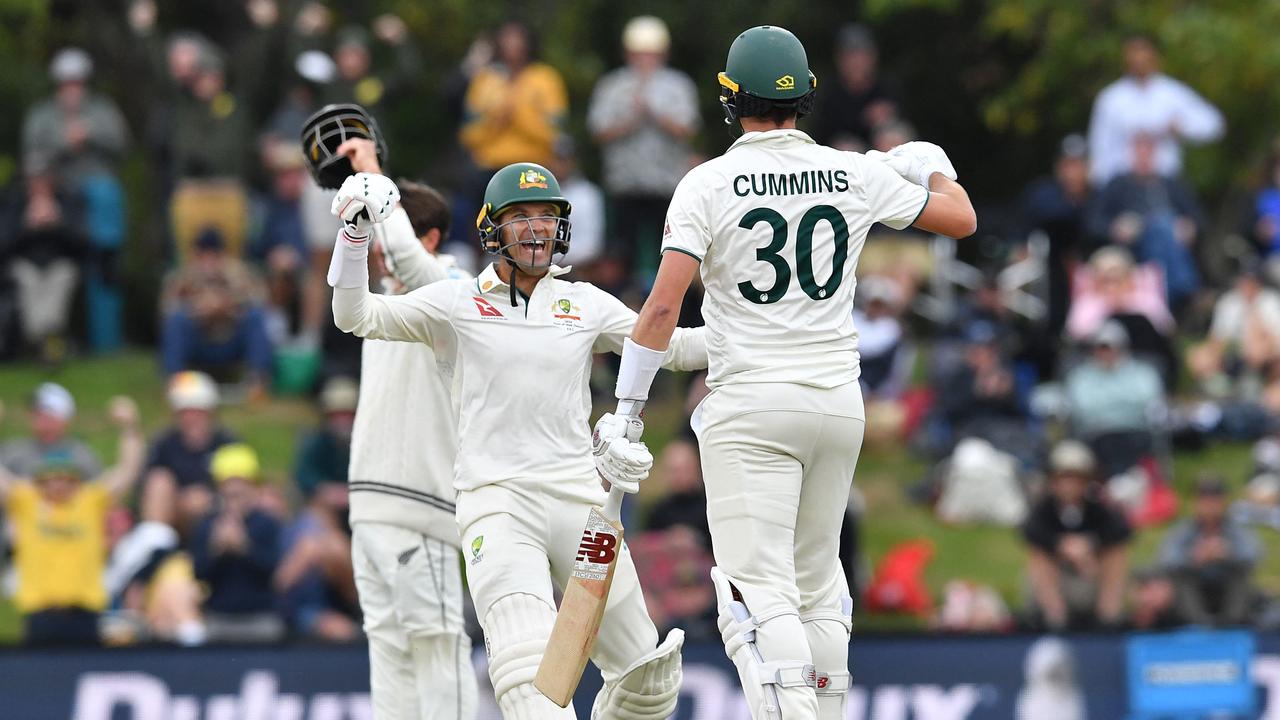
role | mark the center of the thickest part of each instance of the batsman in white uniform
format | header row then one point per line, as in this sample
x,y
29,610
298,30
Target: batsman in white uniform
x,y
775,227
404,542
516,344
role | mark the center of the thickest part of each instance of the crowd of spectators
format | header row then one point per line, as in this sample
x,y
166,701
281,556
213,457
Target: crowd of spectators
x,y
1060,422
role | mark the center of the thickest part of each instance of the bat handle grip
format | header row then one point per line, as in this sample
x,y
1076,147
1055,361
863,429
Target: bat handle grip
x,y
613,507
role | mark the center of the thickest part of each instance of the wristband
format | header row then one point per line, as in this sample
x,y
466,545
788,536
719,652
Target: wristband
x,y
349,266
639,366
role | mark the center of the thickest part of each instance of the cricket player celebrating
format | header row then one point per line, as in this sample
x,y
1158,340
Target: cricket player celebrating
x,y
517,344
775,227
404,542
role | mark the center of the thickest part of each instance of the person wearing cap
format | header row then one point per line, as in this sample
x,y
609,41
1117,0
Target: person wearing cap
x,y
323,456
76,133
179,489
860,100
57,516
1243,345
277,243
1112,399
1055,205
235,550
643,115
52,409
979,397
1077,556
1211,558
211,131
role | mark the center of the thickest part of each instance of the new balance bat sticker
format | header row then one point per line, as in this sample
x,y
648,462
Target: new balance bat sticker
x,y
585,596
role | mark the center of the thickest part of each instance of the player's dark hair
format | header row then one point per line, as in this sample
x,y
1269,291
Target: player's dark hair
x,y
777,113
425,206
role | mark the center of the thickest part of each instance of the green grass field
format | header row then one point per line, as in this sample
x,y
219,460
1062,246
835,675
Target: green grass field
x,y
982,554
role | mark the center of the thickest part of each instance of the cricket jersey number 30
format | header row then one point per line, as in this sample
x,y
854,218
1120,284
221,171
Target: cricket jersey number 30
x,y
804,253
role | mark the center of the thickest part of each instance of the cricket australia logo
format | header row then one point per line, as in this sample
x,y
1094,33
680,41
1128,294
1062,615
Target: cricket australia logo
x,y
532,179
566,315
786,82
476,555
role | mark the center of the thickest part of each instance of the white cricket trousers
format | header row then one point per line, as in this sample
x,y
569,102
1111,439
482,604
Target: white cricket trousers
x,y
778,462
410,588
519,545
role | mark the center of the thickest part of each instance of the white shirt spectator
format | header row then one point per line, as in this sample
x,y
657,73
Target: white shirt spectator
x,y
1154,106
1233,315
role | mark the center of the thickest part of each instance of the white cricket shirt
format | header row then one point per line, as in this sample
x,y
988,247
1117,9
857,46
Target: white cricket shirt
x,y
778,223
519,375
399,476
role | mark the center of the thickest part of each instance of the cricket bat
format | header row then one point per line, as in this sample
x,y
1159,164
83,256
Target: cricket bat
x,y
585,595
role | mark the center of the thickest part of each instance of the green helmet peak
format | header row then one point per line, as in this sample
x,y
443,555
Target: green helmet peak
x,y
766,63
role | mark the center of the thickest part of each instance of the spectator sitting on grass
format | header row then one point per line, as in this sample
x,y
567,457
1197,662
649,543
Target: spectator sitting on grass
x,y
1211,559
1077,547
179,488
52,409
236,550
1240,356
59,530
1152,597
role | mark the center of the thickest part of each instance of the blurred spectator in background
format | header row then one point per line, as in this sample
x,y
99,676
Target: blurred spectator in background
x,y
77,134
179,487
1149,102
51,411
1055,205
675,564
79,138
980,399
59,518
236,550
1111,286
1239,357
278,242
643,116
313,70
1152,601
212,133
684,500
513,111
1113,400
213,319
316,577
1077,558
885,357
859,101
1211,559
323,455
587,201
356,79
46,258
1155,215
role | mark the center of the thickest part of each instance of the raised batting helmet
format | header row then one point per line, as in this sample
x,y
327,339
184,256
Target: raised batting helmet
x,y
767,67
328,128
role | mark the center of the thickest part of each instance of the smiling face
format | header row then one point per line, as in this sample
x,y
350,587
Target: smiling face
x,y
527,234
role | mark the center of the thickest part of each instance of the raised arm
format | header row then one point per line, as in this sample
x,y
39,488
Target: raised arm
x,y
686,347
365,200
121,476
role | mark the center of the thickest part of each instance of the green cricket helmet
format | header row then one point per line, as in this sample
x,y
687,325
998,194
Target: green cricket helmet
x,y
522,183
767,67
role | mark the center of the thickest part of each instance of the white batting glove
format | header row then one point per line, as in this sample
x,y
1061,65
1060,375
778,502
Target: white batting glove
x,y
611,426
623,464
364,200
916,161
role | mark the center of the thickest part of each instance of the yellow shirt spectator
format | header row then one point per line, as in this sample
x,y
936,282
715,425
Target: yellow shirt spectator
x,y
514,118
60,549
